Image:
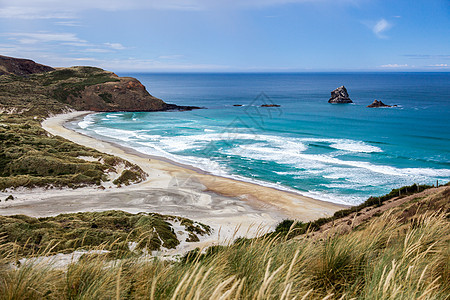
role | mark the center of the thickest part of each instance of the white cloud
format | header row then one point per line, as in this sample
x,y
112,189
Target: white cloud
x,y
17,50
64,39
115,46
439,66
34,12
77,44
63,9
84,59
44,37
96,50
70,23
394,66
380,27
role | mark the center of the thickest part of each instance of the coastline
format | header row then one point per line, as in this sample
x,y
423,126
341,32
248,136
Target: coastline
x,y
233,208
214,183
184,166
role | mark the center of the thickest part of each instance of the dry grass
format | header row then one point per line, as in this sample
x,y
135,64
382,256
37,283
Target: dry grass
x,y
388,258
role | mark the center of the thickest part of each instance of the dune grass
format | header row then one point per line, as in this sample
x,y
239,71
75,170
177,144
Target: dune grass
x,y
66,233
30,157
394,256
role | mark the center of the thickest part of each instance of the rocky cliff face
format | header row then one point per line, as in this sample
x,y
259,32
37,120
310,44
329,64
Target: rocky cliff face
x,y
21,67
126,94
340,95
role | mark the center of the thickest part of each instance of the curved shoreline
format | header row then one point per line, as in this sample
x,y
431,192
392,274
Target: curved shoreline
x,y
231,207
237,178
290,204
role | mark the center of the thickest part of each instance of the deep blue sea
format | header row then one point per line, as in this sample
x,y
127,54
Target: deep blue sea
x,y
342,153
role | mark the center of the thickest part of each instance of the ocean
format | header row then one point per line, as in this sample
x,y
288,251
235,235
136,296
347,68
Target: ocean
x,y
342,153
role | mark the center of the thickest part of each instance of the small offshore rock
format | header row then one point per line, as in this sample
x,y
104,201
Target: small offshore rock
x,y
377,103
237,104
270,105
340,95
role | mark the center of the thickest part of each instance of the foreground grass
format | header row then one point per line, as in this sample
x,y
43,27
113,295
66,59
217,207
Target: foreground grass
x,y
403,254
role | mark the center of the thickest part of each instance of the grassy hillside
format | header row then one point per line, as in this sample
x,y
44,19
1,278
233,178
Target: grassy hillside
x,y
41,94
30,157
404,253
30,92
290,228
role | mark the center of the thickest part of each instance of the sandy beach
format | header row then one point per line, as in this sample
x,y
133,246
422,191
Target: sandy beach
x,y
231,207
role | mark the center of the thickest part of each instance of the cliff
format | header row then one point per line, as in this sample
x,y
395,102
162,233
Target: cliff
x,y
77,88
98,90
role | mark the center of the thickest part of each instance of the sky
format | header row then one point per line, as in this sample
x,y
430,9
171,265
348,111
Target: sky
x,y
229,35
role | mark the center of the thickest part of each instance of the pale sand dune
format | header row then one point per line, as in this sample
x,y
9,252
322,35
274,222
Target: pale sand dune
x,y
170,189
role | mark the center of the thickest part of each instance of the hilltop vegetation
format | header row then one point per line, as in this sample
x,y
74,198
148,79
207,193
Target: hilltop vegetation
x,y
20,66
403,253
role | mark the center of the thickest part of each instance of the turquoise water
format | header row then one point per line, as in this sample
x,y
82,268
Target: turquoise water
x,y
341,153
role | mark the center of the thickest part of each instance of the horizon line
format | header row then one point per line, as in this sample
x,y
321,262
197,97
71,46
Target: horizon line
x,y
278,72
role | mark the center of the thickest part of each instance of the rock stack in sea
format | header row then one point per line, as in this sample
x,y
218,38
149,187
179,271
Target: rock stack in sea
x,y
340,95
377,103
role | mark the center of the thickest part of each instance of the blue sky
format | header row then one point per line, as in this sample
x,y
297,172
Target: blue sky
x,y
230,36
